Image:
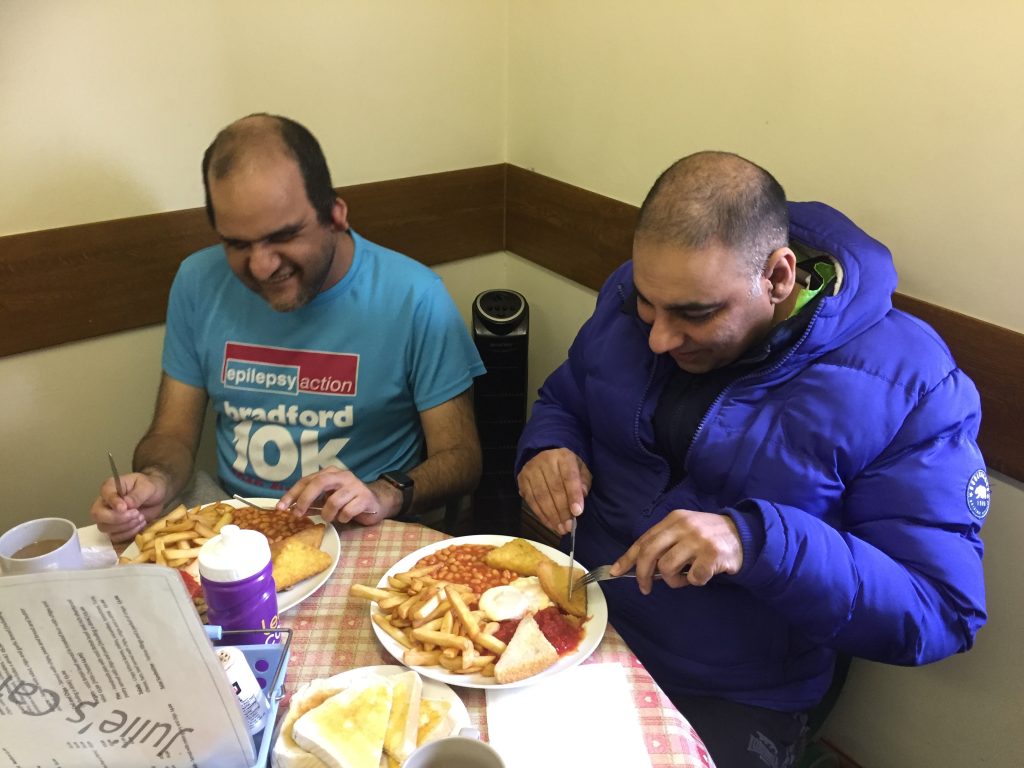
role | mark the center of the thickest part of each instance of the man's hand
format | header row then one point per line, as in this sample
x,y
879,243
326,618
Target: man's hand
x,y
709,543
554,483
346,498
143,501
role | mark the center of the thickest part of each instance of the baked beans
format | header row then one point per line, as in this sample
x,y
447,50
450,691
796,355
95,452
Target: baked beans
x,y
274,525
464,564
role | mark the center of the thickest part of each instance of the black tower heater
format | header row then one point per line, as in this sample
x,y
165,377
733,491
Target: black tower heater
x,y
501,330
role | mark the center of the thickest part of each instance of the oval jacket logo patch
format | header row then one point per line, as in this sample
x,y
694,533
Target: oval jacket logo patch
x,y
978,494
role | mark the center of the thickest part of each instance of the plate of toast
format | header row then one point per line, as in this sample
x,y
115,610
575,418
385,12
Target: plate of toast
x,y
304,550
366,716
529,654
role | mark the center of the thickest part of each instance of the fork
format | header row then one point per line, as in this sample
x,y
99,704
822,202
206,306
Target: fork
x,y
601,574
251,503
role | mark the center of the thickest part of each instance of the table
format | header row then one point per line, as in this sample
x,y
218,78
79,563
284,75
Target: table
x,y
331,633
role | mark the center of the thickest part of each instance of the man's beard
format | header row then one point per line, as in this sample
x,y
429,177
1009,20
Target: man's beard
x,y
310,283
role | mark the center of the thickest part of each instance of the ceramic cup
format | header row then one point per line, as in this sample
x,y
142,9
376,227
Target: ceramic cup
x,y
56,544
462,751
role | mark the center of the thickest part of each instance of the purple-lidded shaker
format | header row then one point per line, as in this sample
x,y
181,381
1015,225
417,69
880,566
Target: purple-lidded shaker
x,y
237,576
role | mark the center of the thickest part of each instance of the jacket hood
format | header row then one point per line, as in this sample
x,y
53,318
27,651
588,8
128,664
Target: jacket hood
x,y
869,277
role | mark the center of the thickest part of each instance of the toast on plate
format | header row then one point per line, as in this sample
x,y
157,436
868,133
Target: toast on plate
x,y
403,723
528,653
435,722
286,753
348,729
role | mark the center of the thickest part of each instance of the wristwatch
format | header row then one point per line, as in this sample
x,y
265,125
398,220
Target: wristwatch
x,y
405,484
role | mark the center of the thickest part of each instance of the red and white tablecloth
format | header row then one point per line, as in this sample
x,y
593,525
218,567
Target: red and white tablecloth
x,y
332,633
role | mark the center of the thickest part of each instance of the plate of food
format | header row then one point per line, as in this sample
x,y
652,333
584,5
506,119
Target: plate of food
x,y
304,550
485,611
358,716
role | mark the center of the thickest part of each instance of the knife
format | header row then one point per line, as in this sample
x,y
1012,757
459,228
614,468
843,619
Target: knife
x,y
572,555
117,476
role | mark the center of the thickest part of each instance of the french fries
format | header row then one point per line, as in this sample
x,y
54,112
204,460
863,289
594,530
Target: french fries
x,y
175,539
431,619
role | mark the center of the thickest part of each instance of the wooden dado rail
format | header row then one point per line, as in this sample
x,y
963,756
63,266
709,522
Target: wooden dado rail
x,y
73,283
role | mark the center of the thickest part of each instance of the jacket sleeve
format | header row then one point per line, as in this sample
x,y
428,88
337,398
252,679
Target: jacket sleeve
x,y
560,418
899,578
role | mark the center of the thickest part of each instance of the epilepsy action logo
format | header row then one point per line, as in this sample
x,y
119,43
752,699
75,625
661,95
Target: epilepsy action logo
x,y
276,442
284,371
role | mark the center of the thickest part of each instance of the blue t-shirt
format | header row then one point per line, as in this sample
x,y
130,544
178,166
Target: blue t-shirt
x,y
339,382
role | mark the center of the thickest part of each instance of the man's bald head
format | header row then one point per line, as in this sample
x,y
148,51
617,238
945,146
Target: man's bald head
x,y
261,137
716,197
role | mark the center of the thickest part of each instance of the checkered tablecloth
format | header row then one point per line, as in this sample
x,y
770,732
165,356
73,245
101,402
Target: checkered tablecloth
x,y
332,633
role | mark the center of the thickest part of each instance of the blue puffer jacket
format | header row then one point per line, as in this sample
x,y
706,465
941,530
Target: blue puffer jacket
x,y
849,466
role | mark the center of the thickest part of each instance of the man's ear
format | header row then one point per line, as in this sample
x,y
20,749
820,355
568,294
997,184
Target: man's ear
x,y
339,215
780,272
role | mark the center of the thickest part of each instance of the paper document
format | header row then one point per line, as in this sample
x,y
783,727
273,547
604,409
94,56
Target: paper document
x,y
112,668
582,716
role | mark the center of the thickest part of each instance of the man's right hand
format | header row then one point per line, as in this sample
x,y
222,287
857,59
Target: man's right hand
x,y
122,518
554,483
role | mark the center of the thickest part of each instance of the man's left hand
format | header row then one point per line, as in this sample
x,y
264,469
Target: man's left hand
x,y
346,498
709,543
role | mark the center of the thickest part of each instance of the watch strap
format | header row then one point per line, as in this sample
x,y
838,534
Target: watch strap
x,y
405,484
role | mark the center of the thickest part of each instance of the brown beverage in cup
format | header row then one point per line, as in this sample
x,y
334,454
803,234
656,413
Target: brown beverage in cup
x,y
37,548
46,544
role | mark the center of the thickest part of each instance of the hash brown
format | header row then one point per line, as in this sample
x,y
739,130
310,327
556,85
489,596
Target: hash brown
x,y
517,555
554,580
296,561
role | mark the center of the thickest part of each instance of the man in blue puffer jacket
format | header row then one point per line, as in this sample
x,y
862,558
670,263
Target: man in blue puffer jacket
x,y
745,403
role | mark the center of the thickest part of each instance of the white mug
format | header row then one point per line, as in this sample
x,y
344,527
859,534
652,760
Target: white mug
x,y
46,544
462,751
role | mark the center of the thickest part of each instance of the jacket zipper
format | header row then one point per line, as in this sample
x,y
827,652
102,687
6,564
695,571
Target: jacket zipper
x,y
639,410
721,395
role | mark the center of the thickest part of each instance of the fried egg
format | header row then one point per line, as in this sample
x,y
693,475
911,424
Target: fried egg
x,y
522,596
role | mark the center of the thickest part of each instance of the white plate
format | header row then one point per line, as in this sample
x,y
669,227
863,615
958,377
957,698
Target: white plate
x,y
593,629
290,598
431,690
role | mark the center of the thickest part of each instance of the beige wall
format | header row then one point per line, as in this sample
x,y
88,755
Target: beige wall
x,y
906,116
107,106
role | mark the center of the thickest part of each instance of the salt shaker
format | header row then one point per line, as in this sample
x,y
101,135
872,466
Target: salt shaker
x,y
237,576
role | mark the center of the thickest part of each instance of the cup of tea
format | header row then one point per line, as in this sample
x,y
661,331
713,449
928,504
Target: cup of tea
x,y
462,751
46,544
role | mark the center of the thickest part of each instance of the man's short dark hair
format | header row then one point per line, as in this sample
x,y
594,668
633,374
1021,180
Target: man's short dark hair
x,y
717,197
226,148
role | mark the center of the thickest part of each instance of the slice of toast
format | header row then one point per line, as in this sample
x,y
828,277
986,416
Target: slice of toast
x,y
528,653
403,723
554,580
348,729
436,721
286,752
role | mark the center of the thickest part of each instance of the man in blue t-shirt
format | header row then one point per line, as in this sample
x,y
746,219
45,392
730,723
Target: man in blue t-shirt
x,y
339,371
